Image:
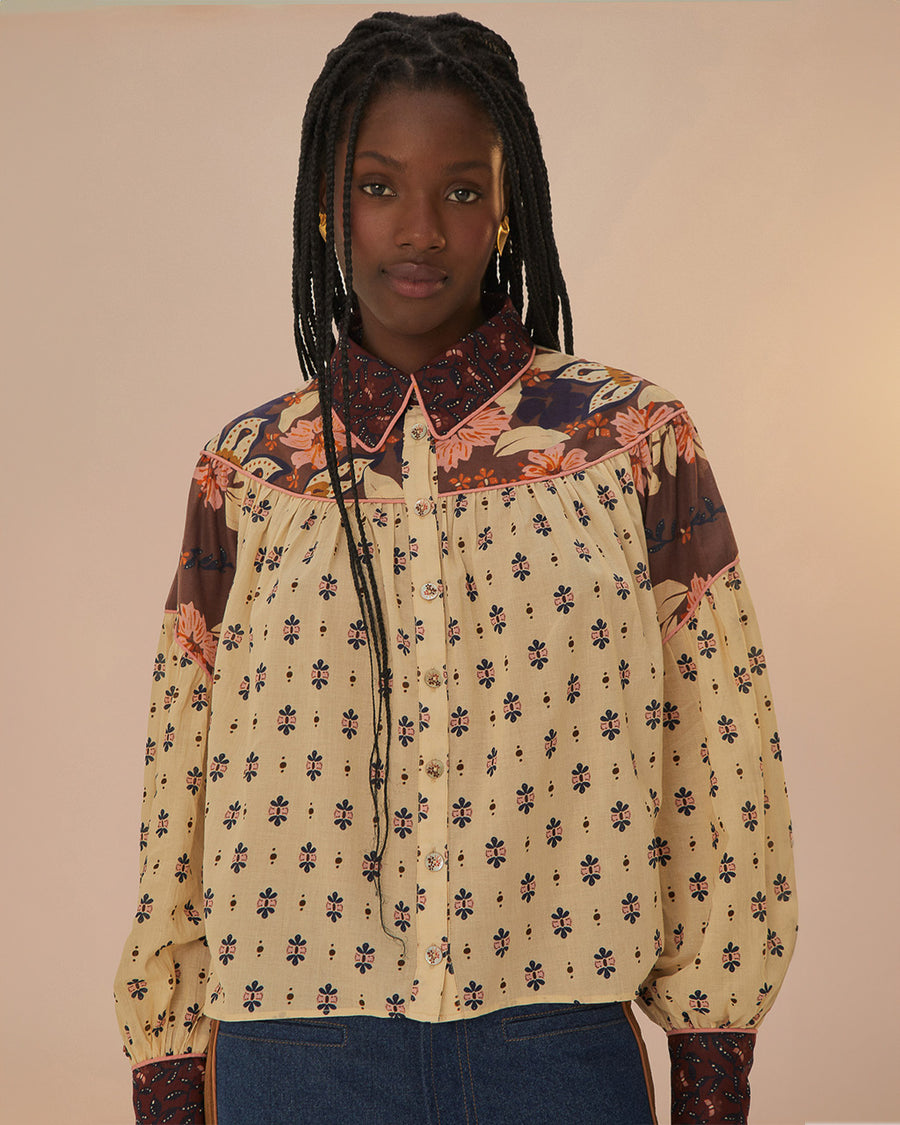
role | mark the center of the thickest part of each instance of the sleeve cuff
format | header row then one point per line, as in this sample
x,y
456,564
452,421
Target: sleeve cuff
x,y
710,1076
169,1091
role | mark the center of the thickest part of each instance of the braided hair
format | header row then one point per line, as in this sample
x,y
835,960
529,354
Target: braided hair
x,y
386,51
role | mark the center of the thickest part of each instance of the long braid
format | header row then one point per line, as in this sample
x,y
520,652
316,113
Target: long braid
x,y
420,52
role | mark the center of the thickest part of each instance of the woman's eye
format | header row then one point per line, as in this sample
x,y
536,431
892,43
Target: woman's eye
x,y
464,195
378,190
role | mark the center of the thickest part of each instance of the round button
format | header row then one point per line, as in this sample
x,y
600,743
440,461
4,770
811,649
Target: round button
x,y
434,768
433,678
429,591
424,507
434,955
418,431
434,861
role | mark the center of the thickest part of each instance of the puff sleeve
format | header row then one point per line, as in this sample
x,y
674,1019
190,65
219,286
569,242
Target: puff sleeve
x,y
729,903
161,981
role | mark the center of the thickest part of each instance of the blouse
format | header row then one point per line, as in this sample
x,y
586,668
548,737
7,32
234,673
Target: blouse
x,y
585,792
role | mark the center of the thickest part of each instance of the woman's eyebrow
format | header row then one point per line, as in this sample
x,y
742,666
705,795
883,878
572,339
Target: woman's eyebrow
x,y
399,166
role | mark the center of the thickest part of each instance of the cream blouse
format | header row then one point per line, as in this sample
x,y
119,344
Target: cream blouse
x,y
585,789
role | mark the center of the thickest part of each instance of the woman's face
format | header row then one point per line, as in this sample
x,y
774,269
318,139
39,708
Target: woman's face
x,y
427,197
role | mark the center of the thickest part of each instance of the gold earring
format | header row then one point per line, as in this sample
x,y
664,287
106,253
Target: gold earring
x,y
323,226
502,234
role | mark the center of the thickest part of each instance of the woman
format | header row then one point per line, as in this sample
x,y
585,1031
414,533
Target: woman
x,y
461,736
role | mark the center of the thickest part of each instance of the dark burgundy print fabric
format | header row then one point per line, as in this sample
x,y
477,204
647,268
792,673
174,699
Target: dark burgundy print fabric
x,y
710,1076
169,1092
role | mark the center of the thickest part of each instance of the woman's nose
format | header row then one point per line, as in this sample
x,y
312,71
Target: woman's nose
x,y
420,226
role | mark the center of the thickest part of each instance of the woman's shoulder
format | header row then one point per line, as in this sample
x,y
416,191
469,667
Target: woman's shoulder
x,y
254,433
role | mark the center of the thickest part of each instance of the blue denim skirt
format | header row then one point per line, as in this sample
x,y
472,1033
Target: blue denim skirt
x,y
584,1064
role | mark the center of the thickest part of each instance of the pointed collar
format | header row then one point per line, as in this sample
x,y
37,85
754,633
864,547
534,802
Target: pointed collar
x,y
450,388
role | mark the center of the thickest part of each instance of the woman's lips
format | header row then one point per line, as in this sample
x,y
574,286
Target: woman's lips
x,y
414,279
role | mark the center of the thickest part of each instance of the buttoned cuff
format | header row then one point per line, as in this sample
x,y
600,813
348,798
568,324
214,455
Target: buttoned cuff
x,y
710,1076
169,1091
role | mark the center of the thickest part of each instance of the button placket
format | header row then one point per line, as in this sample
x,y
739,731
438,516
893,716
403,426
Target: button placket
x,y
422,514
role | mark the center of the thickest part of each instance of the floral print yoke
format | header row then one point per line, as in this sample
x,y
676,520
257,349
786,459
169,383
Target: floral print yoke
x,y
586,799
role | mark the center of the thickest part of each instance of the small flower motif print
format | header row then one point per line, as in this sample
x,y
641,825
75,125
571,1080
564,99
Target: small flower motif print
x,y
687,667
137,989
459,722
474,994
622,588
581,778
590,869
604,962
609,725
684,801
727,729
485,539
554,832
582,551
756,660
495,852
244,689
670,716
162,823
239,862
521,568
145,908
259,681
758,906
678,935
498,618
508,496
550,742
501,942
208,897
706,644
484,673
564,599
260,559
227,947
200,697
313,765
371,866
642,574
402,917
399,560
403,822
319,675
537,654
326,1001
749,816
658,852
159,667
453,631
423,808
699,1002
343,815
731,957
463,903
350,723
287,719
620,814
631,908
782,887
251,766
406,730
653,714
306,860
266,903
364,958
380,518
273,558
253,994
741,679
357,636
525,798
727,868
403,642
774,945
534,975
462,812
218,767
296,950
395,1005
471,588
573,688
624,673
775,746
327,587
600,633
527,885
334,907
699,885
561,921
541,524
581,513
512,707
232,815
192,913
278,811
182,868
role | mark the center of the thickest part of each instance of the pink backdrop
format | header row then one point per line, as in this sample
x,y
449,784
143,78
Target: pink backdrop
x,y
726,180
